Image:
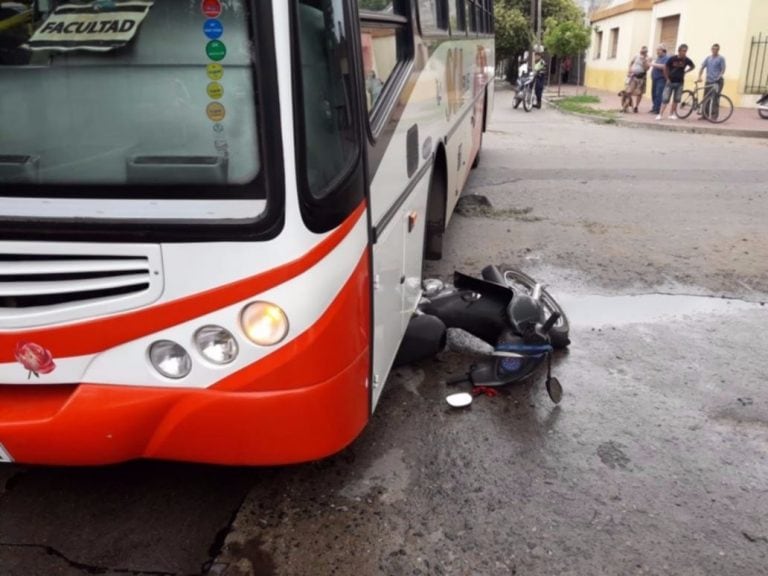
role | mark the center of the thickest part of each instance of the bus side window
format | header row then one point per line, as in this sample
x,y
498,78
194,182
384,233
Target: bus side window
x,y
385,48
380,57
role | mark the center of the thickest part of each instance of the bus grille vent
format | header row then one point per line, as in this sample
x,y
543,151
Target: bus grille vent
x,y
40,288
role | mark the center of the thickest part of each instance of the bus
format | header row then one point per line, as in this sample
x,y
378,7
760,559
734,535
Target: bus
x,y
214,216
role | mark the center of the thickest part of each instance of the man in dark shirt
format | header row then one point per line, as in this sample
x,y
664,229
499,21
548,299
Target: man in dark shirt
x,y
674,73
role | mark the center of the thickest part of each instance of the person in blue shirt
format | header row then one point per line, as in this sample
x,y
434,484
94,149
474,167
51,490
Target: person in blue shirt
x,y
715,68
657,77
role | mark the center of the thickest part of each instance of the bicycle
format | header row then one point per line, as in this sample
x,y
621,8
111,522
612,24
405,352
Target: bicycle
x,y
690,102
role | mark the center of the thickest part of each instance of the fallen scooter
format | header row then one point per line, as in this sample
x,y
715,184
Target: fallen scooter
x,y
509,311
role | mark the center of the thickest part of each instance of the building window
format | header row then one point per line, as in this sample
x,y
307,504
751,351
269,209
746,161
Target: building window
x,y
598,45
460,10
461,16
614,46
668,30
433,16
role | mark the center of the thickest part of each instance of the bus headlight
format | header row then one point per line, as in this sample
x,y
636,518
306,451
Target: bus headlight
x,y
170,359
263,323
216,344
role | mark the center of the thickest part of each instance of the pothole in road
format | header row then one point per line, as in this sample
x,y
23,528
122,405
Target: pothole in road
x,y
596,311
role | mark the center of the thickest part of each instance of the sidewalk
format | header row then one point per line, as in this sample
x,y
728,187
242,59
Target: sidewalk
x,y
744,121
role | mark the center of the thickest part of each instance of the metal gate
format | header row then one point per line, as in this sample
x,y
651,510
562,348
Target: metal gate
x,y
757,66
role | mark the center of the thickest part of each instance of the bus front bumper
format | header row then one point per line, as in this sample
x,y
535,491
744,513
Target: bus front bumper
x,y
90,424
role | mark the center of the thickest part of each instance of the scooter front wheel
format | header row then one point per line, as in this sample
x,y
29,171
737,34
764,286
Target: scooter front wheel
x,y
763,113
528,99
520,282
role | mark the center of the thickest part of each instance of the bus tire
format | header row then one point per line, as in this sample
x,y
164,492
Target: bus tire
x,y
436,203
476,161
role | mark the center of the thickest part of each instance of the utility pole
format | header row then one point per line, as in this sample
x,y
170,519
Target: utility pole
x,y
538,22
534,13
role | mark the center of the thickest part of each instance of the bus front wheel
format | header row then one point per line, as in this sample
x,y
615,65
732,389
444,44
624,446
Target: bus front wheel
x,y
435,225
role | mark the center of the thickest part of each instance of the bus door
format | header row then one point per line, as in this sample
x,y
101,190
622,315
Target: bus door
x,y
398,175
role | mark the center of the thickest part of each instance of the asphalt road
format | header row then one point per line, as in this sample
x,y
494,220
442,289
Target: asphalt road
x,y
656,462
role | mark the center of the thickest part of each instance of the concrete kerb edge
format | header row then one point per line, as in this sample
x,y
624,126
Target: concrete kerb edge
x,y
659,126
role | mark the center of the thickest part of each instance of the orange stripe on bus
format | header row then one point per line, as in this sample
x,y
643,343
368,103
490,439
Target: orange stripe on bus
x,y
101,334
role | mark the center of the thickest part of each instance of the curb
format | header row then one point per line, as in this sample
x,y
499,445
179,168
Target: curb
x,y
665,127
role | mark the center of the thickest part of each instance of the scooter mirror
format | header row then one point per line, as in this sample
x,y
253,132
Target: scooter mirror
x,y
461,400
554,389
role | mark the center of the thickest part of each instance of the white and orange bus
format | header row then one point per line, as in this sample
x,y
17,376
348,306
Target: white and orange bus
x,y
213,215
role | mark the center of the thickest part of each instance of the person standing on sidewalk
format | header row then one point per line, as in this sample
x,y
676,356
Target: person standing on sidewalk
x,y
539,68
674,73
566,69
638,73
715,67
657,77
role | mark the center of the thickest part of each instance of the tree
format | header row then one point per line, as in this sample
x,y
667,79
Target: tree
x,y
513,32
514,28
561,10
565,38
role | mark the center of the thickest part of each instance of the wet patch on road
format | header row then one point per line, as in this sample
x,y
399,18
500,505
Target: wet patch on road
x,y
612,455
593,311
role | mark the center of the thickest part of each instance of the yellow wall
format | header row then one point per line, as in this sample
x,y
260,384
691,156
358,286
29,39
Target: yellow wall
x,y
610,73
602,79
702,23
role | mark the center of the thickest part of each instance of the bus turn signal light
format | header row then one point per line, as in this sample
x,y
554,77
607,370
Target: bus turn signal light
x,y
263,323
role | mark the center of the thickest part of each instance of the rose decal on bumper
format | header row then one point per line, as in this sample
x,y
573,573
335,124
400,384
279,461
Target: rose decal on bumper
x,y
34,358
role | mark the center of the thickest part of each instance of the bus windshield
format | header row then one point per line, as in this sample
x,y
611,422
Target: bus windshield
x,y
126,99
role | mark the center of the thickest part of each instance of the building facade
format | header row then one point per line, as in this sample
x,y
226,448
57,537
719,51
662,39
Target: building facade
x,y
621,27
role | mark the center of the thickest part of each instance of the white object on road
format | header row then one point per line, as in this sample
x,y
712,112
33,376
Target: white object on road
x,y
460,400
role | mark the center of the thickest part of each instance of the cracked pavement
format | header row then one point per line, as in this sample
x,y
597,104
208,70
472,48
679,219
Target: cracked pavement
x,y
655,463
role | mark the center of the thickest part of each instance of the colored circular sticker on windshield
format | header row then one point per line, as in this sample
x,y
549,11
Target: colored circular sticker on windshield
x,y
215,71
215,111
213,29
211,8
215,90
216,50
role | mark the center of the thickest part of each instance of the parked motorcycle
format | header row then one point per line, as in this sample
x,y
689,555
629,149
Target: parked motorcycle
x,y
526,84
509,311
762,106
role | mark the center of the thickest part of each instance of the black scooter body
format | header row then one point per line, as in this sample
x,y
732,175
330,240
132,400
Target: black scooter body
x,y
478,307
